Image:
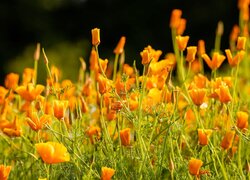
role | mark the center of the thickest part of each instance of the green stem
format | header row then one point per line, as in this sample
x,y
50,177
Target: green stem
x,y
99,61
35,70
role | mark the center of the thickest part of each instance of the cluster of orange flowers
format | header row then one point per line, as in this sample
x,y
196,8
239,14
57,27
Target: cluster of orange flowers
x,y
114,92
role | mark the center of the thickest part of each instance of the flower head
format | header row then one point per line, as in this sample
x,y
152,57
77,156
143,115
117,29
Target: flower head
x,y
125,136
227,141
191,52
11,81
234,61
203,136
242,120
119,48
182,42
216,61
194,166
30,92
107,173
4,172
52,152
95,36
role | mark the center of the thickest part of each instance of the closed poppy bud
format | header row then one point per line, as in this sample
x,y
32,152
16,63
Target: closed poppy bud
x,y
220,28
84,105
93,60
182,42
203,136
52,152
227,141
37,52
194,166
242,120
102,83
146,57
197,95
201,47
107,173
191,52
182,26
175,18
125,136
11,81
119,48
241,43
235,33
59,108
4,172
95,36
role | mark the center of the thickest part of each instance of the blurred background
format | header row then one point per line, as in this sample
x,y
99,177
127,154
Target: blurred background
x,y
63,27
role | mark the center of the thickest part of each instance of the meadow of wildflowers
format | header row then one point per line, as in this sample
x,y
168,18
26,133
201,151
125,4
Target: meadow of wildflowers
x,y
173,120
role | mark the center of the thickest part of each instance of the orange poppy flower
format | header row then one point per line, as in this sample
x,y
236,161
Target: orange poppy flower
x,y
125,136
103,84
30,92
119,48
52,152
182,26
95,36
93,131
227,141
216,61
242,120
194,166
203,136
146,57
11,81
241,43
234,33
197,95
37,123
3,93
182,42
13,129
234,61
59,108
223,93
107,173
191,52
4,172
175,18
28,75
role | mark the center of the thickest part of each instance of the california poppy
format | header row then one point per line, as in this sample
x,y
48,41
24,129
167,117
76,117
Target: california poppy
x,y
4,172
95,36
30,92
203,135
242,120
107,173
227,141
182,42
194,166
52,152
119,48
216,61
125,136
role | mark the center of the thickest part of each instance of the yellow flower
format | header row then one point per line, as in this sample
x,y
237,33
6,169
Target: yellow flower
x,y
4,172
95,36
107,173
52,152
194,166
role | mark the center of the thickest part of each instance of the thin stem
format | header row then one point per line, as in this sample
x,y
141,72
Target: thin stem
x,y
115,66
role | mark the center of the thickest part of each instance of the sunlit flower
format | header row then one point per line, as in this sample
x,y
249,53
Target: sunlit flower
x,y
146,57
95,36
201,47
103,84
203,136
30,92
107,173
52,152
4,172
241,43
191,52
125,136
242,120
119,48
11,81
194,166
227,141
223,93
13,129
28,75
234,61
216,61
197,95
93,131
36,123
59,108
182,42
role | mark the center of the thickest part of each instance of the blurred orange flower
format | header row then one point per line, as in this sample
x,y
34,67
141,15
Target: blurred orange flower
x,y
216,61
119,48
203,136
223,93
30,92
59,108
52,152
36,123
182,42
234,61
4,172
197,95
125,136
191,52
227,141
194,166
11,81
242,120
107,173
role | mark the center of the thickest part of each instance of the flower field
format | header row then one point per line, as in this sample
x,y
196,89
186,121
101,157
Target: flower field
x,y
185,115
